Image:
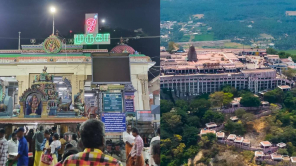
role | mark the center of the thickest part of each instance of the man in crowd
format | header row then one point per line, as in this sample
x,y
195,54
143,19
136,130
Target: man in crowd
x,y
3,147
13,144
157,138
92,136
38,138
128,136
156,152
22,157
54,131
135,157
63,144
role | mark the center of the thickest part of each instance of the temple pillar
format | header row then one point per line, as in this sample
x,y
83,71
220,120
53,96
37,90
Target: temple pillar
x,y
63,128
44,113
23,84
77,84
21,115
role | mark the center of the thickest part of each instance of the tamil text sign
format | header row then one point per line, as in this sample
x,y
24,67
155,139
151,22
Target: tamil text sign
x,y
114,122
88,39
112,102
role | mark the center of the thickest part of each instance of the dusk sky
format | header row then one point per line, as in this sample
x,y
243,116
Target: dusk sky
x,y
34,20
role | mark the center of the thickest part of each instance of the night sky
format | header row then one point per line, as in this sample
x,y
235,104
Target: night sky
x,y
33,19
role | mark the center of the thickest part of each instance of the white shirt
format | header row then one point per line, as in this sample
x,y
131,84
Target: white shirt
x,y
128,137
157,138
13,146
54,145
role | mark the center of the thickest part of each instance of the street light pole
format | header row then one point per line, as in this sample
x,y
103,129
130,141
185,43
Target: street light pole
x,y
52,10
53,23
19,44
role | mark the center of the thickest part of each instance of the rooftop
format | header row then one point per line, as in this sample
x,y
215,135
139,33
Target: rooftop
x,y
211,124
206,131
276,156
265,143
239,139
231,137
220,134
259,153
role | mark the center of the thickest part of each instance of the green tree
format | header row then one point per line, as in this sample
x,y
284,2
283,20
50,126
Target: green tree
x,y
172,46
240,112
274,96
271,51
235,128
182,104
250,101
212,116
220,98
194,121
217,99
199,106
283,152
290,73
207,140
172,119
230,89
165,106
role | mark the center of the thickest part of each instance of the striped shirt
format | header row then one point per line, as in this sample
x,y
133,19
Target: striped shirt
x,y
138,147
3,151
91,157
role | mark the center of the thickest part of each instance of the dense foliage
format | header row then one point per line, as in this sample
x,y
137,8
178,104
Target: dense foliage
x,y
230,18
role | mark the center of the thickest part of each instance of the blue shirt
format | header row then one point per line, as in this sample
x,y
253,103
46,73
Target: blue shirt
x,y
23,160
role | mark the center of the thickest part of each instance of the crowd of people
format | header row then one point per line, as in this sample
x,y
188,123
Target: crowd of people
x,y
84,149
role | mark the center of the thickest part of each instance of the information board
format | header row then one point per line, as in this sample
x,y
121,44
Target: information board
x,y
114,122
145,115
112,102
129,103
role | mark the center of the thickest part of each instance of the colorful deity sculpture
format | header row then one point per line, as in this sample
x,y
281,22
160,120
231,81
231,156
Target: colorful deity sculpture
x,y
78,102
34,104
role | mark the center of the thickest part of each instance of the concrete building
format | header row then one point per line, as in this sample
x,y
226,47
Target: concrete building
x,y
213,69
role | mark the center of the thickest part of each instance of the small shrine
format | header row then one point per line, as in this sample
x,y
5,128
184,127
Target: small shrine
x,y
42,100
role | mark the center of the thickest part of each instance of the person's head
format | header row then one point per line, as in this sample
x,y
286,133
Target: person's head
x,y
74,137
68,146
54,129
41,128
69,152
20,132
55,136
135,132
46,134
156,151
13,136
61,136
158,132
2,133
128,128
92,134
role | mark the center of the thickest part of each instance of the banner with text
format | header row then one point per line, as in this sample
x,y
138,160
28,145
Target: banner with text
x,y
145,115
129,102
114,122
112,102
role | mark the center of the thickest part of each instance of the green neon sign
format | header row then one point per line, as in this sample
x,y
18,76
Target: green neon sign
x,y
88,39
